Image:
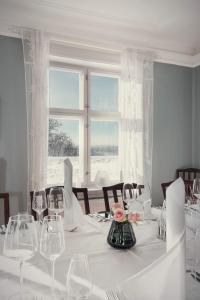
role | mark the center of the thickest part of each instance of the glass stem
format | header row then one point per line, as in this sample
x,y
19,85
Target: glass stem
x,y
40,217
21,264
52,275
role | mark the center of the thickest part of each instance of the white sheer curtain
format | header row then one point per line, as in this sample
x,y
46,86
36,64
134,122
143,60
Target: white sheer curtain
x,y
136,106
36,53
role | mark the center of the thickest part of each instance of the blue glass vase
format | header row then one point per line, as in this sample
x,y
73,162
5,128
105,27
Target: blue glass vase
x,y
121,235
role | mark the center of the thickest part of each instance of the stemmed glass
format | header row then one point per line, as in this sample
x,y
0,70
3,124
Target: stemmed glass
x,y
128,195
39,203
56,200
196,189
79,280
20,243
52,242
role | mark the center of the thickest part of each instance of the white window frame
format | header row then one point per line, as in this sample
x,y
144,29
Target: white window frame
x,y
85,113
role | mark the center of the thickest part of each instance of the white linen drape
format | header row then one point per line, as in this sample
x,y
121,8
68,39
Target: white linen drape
x,y
36,53
165,278
136,106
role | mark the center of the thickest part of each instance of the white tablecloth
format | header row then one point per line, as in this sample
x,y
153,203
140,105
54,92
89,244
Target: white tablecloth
x,y
108,266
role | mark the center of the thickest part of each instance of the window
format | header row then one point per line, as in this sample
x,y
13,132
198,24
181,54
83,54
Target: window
x,y
84,125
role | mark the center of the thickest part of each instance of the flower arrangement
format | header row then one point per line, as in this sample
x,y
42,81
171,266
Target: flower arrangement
x,y
120,215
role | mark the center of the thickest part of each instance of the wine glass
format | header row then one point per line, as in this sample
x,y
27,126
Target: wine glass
x,y
39,203
56,200
79,281
20,243
196,189
52,242
128,195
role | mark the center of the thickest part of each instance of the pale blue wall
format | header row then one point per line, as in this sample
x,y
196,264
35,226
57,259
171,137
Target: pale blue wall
x,y
172,123
13,155
196,117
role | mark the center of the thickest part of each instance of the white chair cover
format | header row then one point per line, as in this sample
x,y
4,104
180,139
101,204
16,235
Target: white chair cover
x,y
73,214
164,279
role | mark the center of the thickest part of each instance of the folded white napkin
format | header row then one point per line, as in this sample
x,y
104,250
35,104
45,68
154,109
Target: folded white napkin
x,y
73,214
175,200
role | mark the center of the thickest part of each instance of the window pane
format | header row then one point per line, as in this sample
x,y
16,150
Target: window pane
x,y
63,143
103,93
64,89
104,151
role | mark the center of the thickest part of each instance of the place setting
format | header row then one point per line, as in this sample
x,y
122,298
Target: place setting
x,y
44,242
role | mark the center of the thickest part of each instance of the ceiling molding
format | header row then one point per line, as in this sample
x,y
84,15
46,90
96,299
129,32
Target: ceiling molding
x,y
196,60
99,23
71,47
97,54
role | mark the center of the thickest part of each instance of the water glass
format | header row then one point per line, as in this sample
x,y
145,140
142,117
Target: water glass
x,y
56,200
162,223
20,241
79,281
39,203
52,242
128,195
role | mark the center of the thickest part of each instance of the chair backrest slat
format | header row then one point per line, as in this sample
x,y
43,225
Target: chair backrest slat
x,y
5,197
140,187
114,189
85,198
188,173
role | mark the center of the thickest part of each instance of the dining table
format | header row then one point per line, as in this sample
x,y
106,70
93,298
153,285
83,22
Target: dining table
x,y
108,266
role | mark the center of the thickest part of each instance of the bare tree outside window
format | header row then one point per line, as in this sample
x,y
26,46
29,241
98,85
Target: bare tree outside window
x,y
60,143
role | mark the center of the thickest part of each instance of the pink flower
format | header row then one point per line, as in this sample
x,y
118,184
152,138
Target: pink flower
x,y
119,215
134,217
116,205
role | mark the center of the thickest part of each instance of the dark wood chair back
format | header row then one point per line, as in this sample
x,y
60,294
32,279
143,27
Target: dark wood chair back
x,y
33,213
5,197
188,173
188,187
164,187
82,194
115,191
129,188
140,187
76,191
47,190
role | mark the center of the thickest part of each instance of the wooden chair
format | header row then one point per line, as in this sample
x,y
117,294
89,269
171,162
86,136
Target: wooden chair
x,y
115,191
188,187
82,194
164,187
5,197
77,192
130,187
140,187
47,190
188,173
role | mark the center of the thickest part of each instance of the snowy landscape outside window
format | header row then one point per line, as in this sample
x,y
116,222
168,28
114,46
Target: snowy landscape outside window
x,y
84,125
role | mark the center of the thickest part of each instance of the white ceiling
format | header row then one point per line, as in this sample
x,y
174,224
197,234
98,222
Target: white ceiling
x,y
172,25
